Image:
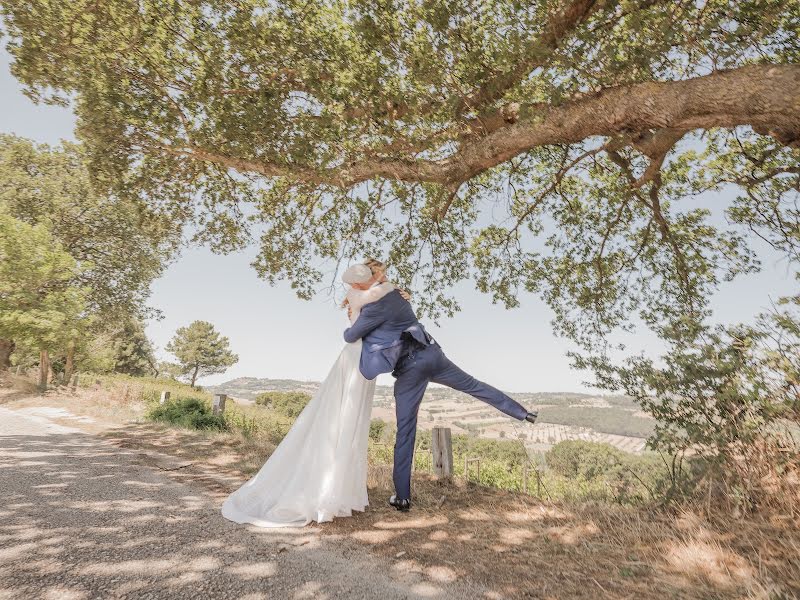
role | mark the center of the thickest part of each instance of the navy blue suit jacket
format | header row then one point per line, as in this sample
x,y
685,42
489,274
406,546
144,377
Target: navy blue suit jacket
x,y
381,326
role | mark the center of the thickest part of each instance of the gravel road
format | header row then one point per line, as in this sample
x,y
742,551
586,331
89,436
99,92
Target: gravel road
x,y
81,518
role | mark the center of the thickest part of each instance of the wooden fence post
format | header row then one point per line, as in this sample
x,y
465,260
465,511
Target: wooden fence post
x,y
164,397
538,483
525,478
75,382
442,449
19,369
218,405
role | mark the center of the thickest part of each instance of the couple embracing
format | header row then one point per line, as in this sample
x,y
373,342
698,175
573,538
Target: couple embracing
x,y
319,470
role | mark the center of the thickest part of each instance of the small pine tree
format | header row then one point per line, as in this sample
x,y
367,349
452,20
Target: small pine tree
x,y
201,351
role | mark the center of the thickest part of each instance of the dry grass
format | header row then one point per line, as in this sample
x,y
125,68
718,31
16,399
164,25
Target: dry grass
x,y
513,544
108,407
119,416
522,547
232,452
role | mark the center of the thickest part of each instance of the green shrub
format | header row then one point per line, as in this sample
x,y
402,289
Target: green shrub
x,y
607,471
257,422
289,404
377,428
577,458
192,413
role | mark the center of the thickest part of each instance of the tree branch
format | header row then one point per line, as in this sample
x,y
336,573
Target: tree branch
x,y
536,54
656,145
762,96
654,205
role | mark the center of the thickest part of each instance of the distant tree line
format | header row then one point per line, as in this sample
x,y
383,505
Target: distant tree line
x,y
76,267
617,421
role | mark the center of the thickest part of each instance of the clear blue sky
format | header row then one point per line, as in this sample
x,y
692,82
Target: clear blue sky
x,y
276,335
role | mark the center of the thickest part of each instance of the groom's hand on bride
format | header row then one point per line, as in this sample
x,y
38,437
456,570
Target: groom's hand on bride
x,y
404,294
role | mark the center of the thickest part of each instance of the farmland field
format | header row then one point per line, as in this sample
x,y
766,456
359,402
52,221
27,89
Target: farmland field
x,y
616,420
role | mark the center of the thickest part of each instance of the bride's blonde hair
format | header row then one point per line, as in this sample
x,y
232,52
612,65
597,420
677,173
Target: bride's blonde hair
x,y
375,265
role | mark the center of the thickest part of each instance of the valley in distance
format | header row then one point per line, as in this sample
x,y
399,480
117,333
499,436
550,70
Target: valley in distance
x,y
613,419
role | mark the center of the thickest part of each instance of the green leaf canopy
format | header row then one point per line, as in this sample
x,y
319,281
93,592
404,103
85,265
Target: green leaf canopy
x,y
553,146
38,305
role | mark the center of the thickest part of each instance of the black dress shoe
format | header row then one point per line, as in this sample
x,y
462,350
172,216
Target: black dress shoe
x,y
531,417
401,505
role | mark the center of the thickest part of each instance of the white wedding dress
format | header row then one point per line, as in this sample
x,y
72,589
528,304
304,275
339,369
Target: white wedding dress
x,y
319,470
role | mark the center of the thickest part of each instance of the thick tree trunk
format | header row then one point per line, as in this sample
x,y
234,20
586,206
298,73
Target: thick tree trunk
x,y
194,375
762,96
44,369
69,364
6,349
153,368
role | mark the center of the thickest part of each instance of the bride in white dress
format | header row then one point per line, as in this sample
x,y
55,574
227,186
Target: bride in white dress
x,y
319,470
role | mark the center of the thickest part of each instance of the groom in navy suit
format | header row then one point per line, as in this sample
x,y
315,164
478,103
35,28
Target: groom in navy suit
x,y
395,341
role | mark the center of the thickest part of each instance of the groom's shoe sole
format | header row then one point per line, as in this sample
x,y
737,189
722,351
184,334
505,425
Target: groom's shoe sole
x,y
402,506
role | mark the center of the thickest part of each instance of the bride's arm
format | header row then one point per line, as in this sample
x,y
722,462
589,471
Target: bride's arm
x,y
378,292
358,298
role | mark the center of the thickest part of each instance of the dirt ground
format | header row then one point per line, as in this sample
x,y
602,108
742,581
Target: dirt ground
x,y
511,544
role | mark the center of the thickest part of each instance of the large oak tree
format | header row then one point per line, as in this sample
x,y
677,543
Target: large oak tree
x,y
553,146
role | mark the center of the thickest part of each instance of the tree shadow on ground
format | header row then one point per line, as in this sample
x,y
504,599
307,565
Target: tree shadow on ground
x,y
519,546
81,518
226,454
489,542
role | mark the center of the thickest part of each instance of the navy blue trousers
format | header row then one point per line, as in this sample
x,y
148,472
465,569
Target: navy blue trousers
x,y
414,372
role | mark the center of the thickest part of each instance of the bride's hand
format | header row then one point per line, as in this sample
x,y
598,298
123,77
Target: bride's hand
x,y
404,294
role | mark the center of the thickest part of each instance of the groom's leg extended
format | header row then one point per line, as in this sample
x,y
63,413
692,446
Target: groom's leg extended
x,y
409,388
450,375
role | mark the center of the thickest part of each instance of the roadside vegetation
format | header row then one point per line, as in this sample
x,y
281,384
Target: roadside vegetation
x,y
570,471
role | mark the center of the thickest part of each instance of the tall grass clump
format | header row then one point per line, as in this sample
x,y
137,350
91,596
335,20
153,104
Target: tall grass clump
x,y
258,422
